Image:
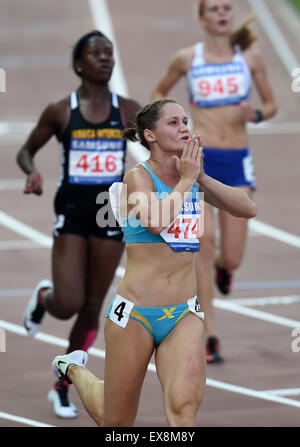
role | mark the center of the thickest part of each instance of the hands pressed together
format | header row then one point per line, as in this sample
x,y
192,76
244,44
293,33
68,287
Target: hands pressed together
x,y
190,165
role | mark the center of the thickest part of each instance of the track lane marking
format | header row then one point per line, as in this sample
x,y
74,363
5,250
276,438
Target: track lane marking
x,y
53,340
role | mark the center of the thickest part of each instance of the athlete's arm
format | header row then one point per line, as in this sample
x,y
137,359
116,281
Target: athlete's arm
x,y
177,68
154,213
233,200
50,123
259,73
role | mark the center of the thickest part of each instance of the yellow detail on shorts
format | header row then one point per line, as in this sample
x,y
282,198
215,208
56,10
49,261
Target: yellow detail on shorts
x,y
168,313
140,317
182,315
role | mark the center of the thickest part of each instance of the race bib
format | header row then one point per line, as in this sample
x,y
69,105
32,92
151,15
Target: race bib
x,y
184,232
214,85
95,161
120,311
194,307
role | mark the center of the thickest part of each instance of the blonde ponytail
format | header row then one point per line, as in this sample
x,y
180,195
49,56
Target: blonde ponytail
x,y
244,36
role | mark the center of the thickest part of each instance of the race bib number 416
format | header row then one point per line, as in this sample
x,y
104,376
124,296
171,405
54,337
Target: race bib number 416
x,y
91,164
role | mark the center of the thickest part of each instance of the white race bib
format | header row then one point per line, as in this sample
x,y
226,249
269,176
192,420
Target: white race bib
x,y
218,85
120,311
184,232
194,307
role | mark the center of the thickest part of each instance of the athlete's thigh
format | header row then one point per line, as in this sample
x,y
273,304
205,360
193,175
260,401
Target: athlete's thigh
x,y
233,232
128,352
104,256
181,364
209,223
69,265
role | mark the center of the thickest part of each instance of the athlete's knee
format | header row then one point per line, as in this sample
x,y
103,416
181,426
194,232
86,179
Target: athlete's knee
x,y
182,409
124,420
207,250
91,309
66,308
231,261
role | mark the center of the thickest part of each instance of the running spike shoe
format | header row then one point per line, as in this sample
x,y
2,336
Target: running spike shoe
x,y
213,350
223,280
35,312
62,406
61,363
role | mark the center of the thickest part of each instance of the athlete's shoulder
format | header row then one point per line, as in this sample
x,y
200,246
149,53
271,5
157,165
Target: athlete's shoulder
x,y
182,58
253,55
129,108
59,107
138,176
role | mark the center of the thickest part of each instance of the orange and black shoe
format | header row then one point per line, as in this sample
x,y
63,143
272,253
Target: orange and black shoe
x,y
213,350
224,280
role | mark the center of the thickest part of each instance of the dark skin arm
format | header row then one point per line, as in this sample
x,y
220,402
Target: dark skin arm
x,y
51,122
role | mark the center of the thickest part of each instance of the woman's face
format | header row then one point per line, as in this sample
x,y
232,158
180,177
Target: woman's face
x,y
171,131
97,59
217,16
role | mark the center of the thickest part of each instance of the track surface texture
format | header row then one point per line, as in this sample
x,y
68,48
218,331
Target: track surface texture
x,y
258,385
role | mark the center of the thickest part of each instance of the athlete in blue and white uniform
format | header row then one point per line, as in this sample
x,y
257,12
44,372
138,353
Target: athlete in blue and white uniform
x,y
155,311
181,236
220,72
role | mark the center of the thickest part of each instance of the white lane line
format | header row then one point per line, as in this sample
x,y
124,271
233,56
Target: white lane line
x,y
258,314
274,34
265,301
21,420
274,128
284,392
252,393
274,233
47,338
18,245
25,230
101,17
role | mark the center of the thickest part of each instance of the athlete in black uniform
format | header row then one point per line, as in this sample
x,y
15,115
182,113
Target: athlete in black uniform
x,y
89,125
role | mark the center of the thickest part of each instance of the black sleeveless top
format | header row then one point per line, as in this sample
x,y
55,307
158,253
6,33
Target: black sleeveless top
x,y
92,158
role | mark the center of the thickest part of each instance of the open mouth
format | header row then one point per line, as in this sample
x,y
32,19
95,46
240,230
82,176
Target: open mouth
x,y
223,22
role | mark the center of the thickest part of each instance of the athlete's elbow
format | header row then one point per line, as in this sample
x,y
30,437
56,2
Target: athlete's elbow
x,y
252,211
247,212
155,230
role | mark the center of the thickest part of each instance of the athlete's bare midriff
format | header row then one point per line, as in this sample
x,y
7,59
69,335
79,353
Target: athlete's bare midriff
x,y
220,127
157,276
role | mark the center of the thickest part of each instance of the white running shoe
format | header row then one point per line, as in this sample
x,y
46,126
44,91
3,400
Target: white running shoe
x,y
35,312
61,363
62,406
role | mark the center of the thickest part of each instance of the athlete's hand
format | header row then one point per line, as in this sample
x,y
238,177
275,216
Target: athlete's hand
x,y
201,173
34,184
247,111
189,165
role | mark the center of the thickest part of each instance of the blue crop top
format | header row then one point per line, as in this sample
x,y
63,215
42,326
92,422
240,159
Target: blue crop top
x,y
135,232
